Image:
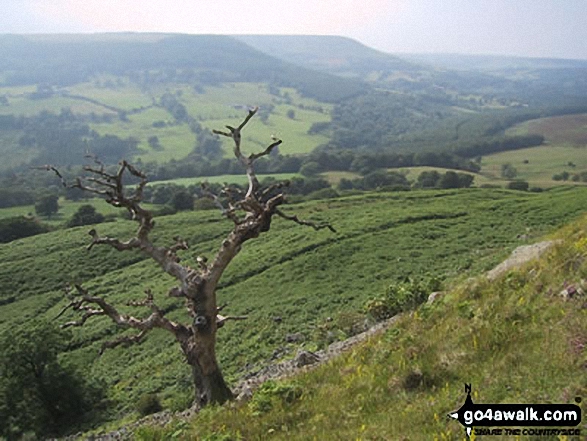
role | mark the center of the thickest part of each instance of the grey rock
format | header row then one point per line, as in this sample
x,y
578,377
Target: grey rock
x,y
434,297
306,358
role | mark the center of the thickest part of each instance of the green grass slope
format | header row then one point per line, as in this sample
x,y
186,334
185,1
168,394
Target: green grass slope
x,y
292,272
515,339
565,151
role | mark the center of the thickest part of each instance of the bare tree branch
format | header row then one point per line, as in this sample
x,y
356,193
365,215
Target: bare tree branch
x,y
273,187
95,158
111,185
235,134
314,225
93,306
229,212
48,167
124,340
221,319
114,243
267,151
88,314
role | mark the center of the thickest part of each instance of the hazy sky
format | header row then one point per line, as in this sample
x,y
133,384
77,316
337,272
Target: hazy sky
x,y
536,28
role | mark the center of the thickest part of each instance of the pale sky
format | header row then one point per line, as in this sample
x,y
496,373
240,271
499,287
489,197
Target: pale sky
x,y
533,28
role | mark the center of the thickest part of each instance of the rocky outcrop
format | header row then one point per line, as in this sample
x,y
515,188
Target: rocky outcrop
x,y
520,256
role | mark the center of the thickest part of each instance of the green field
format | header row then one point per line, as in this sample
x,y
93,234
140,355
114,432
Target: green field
x,y
124,95
334,177
66,211
221,179
22,105
566,144
213,107
292,272
216,108
560,130
543,163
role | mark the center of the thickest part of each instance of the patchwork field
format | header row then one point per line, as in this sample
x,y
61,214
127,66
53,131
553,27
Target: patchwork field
x,y
222,105
288,115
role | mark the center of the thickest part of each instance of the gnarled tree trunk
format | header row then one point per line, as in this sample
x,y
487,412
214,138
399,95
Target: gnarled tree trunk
x,y
196,285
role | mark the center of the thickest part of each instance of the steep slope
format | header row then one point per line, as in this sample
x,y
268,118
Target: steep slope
x,y
520,338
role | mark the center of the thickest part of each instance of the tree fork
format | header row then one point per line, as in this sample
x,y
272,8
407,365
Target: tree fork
x,y
196,285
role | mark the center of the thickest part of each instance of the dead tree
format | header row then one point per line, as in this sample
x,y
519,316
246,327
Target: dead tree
x,y
251,212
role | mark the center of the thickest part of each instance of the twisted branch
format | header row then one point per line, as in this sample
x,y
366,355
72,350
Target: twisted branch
x,y
229,212
48,167
93,306
125,340
235,134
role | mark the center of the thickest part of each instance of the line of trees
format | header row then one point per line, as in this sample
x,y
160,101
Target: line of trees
x,y
64,138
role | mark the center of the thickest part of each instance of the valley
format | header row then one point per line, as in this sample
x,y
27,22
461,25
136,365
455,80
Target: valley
x,y
429,168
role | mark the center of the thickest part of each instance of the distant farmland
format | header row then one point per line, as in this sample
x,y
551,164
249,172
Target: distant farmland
x,y
565,151
557,130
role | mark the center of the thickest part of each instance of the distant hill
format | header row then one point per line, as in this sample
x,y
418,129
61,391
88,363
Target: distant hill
x,y
338,55
61,60
518,78
491,62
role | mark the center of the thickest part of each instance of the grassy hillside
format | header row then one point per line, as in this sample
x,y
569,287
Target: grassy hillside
x,y
294,273
516,340
565,150
542,163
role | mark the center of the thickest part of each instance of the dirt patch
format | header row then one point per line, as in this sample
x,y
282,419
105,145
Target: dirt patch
x,y
571,129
